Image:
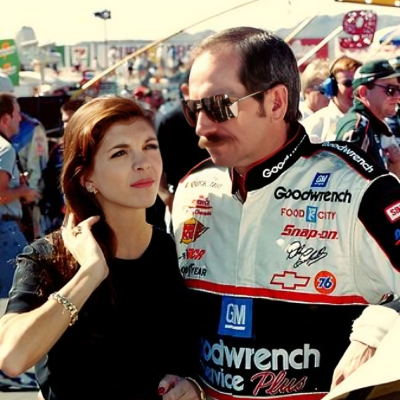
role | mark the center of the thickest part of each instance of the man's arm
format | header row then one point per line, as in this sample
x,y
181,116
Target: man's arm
x,y
379,214
8,195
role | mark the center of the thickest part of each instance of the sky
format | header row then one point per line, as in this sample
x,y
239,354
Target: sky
x,y
71,21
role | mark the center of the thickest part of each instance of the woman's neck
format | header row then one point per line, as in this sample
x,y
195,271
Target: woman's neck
x,y
132,233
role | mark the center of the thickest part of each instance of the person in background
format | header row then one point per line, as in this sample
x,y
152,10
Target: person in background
x,y
376,95
279,239
13,190
51,204
338,87
311,82
31,145
105,291
179,147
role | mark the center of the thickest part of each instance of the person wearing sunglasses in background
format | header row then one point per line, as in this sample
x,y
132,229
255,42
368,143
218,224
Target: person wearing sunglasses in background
x,y
278,238
376,95
338,87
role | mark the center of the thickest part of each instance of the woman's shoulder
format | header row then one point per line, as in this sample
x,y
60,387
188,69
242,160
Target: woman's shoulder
x,y
48,246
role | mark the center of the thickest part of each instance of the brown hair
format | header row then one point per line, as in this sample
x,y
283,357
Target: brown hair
x,y
72,105
344,63
7,103
82,138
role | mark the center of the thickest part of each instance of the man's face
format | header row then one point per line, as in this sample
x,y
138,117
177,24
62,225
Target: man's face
x,y
380,102
314,98
66,116
344,97
237,142
14,120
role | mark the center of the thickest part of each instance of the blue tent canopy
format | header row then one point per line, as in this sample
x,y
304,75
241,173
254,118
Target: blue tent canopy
x,y
395,40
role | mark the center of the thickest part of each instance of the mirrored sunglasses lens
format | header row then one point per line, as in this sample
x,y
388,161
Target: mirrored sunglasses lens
x,y
216,108
188,107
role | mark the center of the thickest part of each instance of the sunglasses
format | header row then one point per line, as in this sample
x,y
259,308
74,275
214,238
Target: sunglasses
x,y
218,108
348,83
390,90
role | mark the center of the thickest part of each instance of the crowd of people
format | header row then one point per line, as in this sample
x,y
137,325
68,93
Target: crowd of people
x,y
244,245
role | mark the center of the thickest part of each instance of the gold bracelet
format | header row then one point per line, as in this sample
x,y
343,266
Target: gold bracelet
x,y
202,393
70,307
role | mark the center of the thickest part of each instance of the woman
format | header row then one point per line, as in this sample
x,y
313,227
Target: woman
x,y
98,308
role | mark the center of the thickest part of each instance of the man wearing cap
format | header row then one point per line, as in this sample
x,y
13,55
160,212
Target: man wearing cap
x,y
376,94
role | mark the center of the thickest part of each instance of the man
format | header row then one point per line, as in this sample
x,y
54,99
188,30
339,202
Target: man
x,y
13,190
376,94
278,239
321,125
52,202
311,87
178,143
31,145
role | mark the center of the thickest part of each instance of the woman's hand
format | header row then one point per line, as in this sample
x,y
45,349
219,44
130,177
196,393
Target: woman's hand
x,y
80,241
173,387
356,354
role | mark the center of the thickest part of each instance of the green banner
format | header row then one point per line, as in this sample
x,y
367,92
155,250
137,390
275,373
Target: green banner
x,y
61,50
9,60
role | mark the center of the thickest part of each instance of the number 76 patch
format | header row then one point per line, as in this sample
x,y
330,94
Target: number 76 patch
x,y
325,282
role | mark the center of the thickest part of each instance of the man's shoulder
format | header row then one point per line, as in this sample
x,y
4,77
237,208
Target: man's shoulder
x,y
6,148
349,121
203,169
349,155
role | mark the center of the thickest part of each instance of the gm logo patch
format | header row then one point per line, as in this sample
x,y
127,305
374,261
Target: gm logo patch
x,y
236,317
311,214
320,180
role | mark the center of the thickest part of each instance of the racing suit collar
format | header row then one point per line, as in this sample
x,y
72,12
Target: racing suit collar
x,y
361,108
268,169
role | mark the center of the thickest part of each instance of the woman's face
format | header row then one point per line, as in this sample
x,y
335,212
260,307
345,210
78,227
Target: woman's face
x,y
127,167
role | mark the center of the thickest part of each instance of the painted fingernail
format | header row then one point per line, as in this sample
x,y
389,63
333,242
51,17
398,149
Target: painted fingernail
x,y
161,391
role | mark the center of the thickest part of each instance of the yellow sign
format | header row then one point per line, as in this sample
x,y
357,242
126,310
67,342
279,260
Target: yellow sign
x,y
388,3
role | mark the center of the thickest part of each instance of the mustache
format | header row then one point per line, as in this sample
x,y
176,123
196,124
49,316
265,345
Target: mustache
x,y
210,140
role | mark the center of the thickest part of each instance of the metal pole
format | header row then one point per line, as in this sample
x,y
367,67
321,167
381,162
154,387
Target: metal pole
x,y
322,43
105,45
299,28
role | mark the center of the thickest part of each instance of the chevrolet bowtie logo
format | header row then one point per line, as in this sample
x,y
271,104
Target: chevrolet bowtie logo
x,y
290,280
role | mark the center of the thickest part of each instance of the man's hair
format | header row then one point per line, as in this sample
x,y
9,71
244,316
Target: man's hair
x,y
344,63
316,69
7,103
266,60
72,105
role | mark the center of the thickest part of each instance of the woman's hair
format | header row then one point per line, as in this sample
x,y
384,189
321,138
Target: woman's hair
x,y
82,138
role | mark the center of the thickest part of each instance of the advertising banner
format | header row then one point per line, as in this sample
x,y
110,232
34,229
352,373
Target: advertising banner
x,y
9,60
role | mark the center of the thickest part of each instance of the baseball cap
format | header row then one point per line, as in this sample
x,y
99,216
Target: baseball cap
x,y
373,70
377,378
395,63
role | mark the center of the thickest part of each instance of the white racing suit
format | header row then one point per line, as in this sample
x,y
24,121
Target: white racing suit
x,y
278,280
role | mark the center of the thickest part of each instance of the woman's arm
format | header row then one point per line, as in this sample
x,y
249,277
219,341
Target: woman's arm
x,y
25,337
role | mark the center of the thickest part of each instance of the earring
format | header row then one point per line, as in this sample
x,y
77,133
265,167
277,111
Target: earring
x,y
92,189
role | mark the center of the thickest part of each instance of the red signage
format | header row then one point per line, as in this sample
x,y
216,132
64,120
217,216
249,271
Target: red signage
x,y
360,25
